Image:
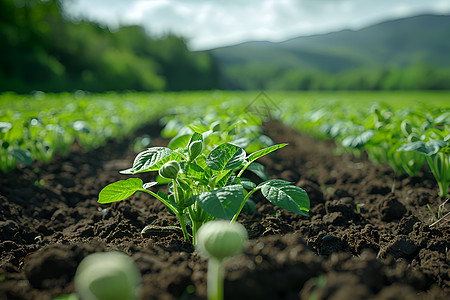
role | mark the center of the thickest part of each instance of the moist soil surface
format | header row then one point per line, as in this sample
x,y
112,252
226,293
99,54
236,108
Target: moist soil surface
x,y
367,237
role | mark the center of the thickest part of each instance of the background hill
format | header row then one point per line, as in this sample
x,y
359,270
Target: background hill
x,y
409,53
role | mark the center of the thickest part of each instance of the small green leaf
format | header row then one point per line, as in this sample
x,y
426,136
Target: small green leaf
x,y
161,180
225,157
21,155
222,203
119,190
179,141
357,141
426,148
258,169
149,184
247,184
152,159
5,126
255,155
195,137
290,197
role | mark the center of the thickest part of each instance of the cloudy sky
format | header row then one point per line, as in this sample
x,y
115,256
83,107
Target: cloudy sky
x,y
214,23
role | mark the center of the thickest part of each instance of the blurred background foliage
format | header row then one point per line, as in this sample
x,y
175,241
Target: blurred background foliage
x,y
43,48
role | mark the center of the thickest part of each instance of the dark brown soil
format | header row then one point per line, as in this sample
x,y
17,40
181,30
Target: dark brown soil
x,y
50,220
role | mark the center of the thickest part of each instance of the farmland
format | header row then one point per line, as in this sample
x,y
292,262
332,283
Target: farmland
x,y
367,232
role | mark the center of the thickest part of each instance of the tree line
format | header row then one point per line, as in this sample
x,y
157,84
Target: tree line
x,y
43,49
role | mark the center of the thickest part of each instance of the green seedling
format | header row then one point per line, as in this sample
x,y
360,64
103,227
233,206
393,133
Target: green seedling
x,y
442,216
217,241
436,153
108,276
204,185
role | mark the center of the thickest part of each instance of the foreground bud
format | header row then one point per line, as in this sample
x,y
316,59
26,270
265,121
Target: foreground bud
x,y
108,276
221,239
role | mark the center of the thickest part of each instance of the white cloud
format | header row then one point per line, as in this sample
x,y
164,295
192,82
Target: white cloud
x,y
214,23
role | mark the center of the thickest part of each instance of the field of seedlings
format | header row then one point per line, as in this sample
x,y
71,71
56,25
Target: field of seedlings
x,y
327,195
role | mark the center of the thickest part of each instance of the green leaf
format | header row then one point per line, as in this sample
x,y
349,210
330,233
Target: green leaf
x,y
225,157
222,178
179,141
222,203
247,184
194,171
255,155
21,155
119,190
195,137
5,126
152,159
426,148
258,169
149,184
161,180
285,195
357,141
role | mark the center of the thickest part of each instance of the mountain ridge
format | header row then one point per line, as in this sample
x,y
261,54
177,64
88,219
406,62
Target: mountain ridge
x,y
398,43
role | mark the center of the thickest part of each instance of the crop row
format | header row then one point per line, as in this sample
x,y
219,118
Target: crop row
x,y
38,126
406,138
404,133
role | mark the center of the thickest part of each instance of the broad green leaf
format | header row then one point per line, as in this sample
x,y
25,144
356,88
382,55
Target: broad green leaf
x,y
179,141
255,155
225,157
152,159
119,190
222,203
426,148
285,195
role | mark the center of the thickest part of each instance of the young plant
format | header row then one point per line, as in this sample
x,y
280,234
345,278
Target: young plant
x,y
218,240
437,154
204,185
108,276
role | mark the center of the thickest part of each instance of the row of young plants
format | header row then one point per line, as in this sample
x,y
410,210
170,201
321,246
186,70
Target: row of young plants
x,y
406,138
35,127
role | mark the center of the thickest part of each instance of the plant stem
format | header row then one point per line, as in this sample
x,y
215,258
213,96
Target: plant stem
x,y
441,177
444,180
194,216
179,215
243,203
215,279
183,225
